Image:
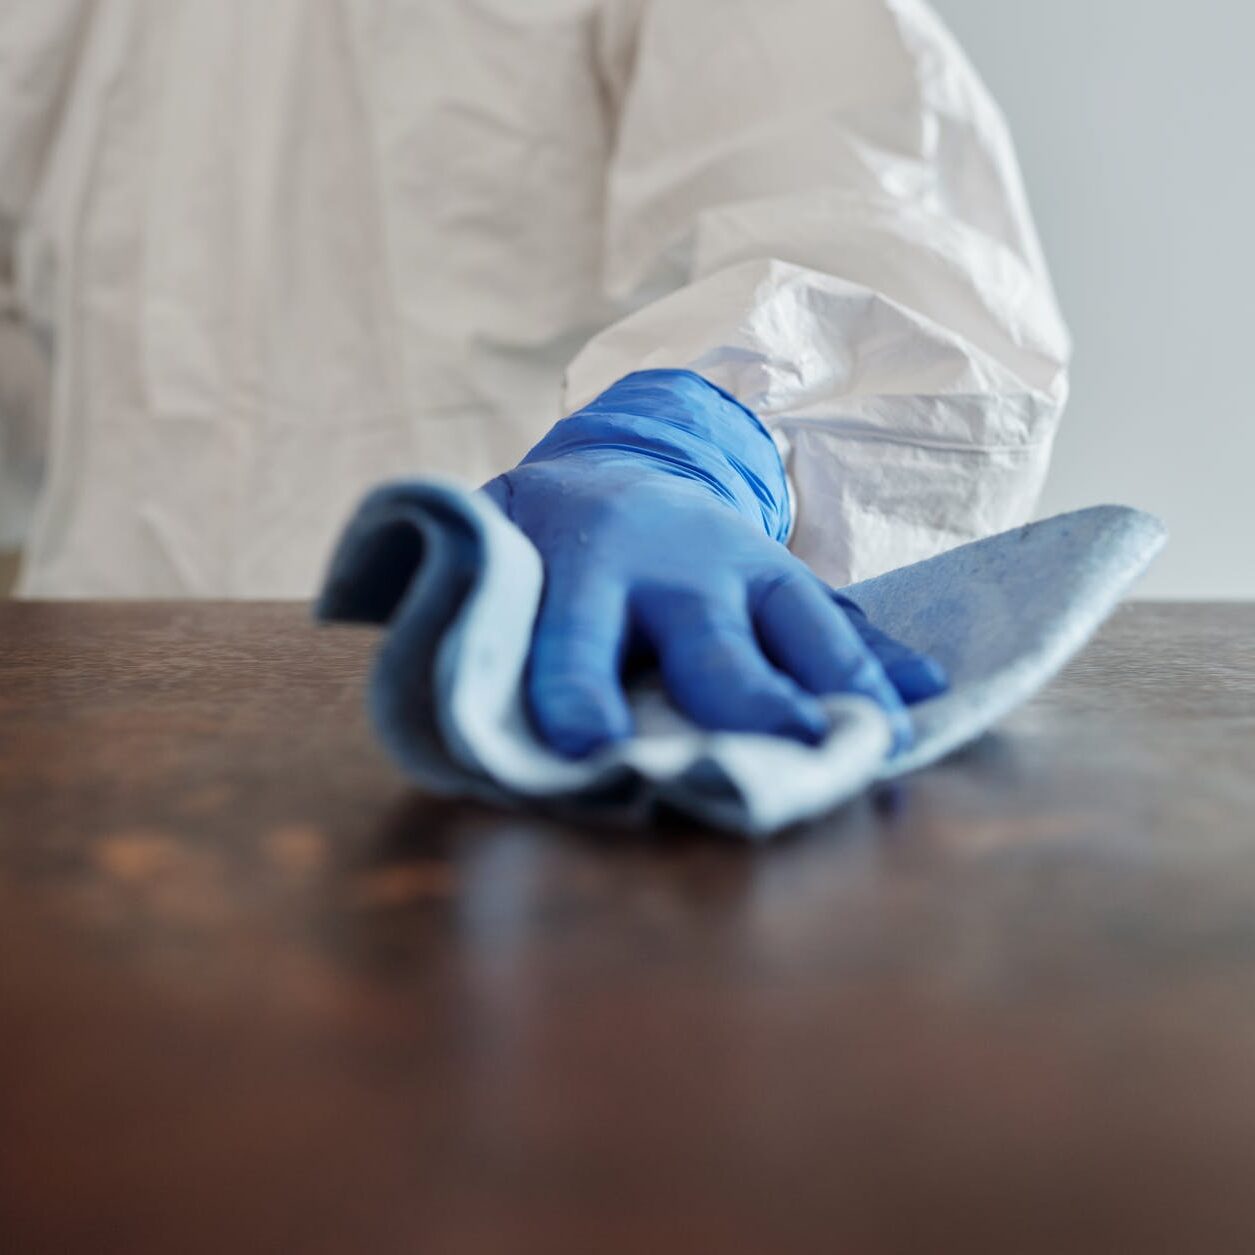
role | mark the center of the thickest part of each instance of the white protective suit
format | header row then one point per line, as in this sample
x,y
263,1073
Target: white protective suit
x,y
286,249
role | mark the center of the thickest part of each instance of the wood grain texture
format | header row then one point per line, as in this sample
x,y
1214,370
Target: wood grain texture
x,y
256,995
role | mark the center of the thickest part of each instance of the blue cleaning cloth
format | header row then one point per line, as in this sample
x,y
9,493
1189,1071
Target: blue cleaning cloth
x,y
458,587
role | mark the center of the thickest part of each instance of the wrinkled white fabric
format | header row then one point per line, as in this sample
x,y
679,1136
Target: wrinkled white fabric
x,y
25,387
286,250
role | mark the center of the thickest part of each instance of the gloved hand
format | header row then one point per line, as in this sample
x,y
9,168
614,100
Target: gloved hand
x,y
659,512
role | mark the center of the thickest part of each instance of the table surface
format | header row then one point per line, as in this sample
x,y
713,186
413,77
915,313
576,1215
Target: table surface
x,y
257,995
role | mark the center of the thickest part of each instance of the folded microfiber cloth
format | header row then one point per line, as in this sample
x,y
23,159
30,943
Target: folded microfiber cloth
x,y
458,586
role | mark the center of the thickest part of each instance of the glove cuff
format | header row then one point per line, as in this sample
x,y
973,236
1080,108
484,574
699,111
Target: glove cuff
x,y
688,427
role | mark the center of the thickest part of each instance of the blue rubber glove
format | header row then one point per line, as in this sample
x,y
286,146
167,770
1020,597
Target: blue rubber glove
x,y
660,512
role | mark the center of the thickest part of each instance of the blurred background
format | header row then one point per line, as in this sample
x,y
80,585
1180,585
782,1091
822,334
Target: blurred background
x,y
1133,123
1132,119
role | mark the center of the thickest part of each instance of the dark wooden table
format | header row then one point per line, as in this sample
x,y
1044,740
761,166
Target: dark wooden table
x,y
257,996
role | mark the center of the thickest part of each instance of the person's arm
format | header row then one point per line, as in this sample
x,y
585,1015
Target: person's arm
x,y
827,207
830,201
660,511
826,204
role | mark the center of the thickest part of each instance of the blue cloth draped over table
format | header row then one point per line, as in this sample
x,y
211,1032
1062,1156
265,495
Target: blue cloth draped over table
x,y
457,586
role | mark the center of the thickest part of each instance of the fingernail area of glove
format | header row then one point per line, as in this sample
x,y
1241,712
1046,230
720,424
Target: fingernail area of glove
x,y
808,725
582,743
919,680
576,722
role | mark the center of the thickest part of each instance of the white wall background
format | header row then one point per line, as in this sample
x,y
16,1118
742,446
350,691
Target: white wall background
x,y
1135,123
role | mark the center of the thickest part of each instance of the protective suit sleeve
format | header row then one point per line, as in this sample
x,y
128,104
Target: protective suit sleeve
x,y
817,207
40,41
